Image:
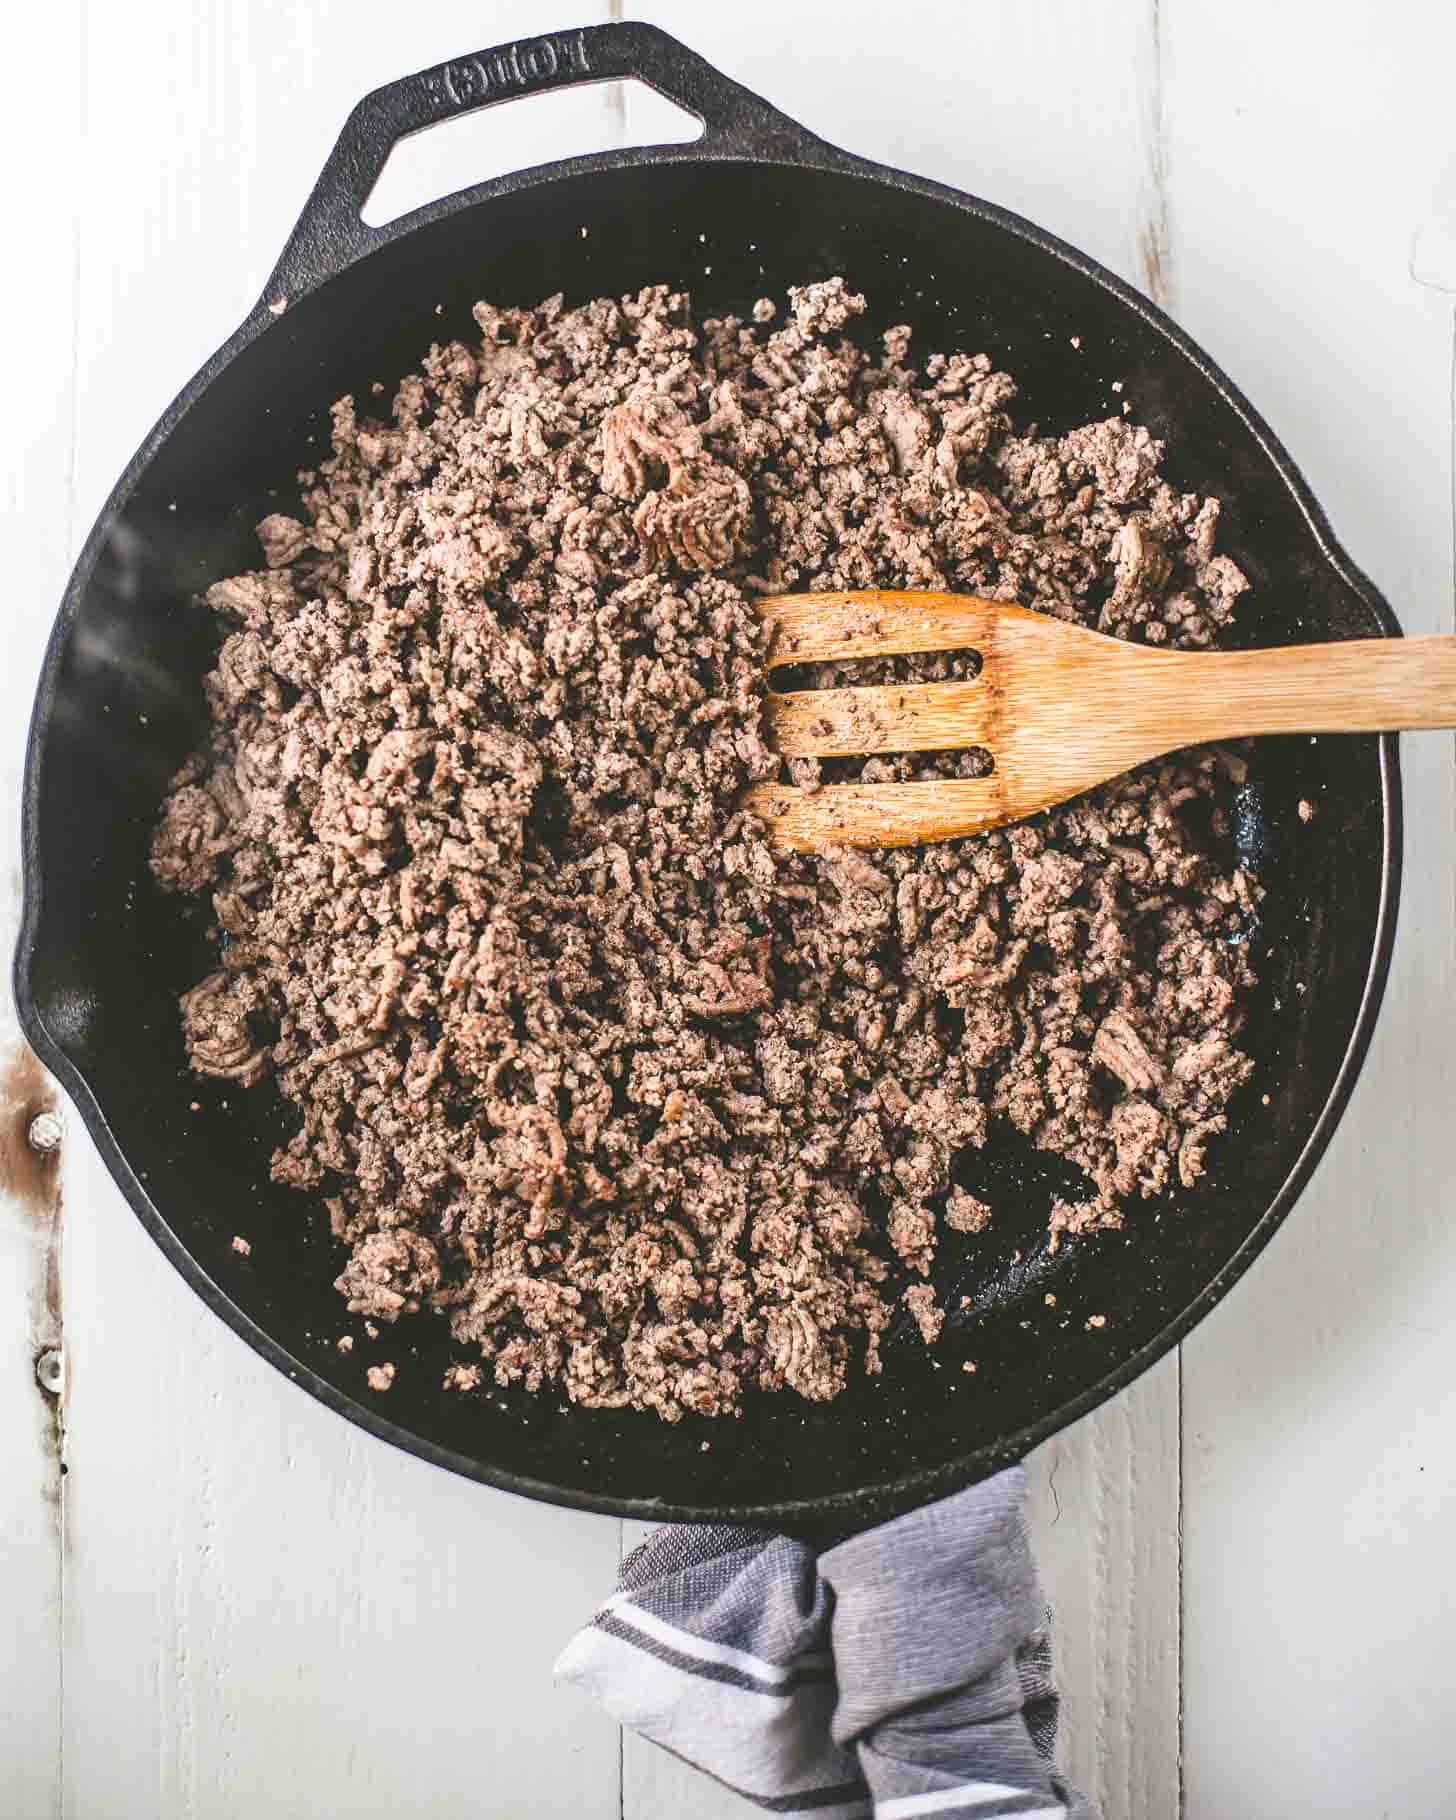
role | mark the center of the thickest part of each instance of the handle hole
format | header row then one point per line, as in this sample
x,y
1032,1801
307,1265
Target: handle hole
x,y
956,665
530,129
908,767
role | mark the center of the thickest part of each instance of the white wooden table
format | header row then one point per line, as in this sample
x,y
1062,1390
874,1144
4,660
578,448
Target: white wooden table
x,y
234,1604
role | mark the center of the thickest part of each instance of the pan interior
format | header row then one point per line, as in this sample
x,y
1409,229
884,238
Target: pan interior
x,y
112,952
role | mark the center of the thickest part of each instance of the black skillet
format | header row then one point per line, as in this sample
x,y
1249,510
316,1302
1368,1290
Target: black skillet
x,y
103,954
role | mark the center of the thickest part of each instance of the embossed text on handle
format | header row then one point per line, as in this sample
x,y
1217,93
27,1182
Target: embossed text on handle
x,y
492,75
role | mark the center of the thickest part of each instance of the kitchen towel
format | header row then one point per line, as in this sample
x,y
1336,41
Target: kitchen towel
x,y
904,1672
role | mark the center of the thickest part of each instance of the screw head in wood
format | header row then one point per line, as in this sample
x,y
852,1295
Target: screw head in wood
x,y
46,1131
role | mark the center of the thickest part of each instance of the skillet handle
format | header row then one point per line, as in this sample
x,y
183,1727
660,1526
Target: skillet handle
x,y
331,235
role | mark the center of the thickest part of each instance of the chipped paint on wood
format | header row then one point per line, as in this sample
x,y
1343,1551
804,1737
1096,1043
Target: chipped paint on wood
x,y
30,1188
27,1175
33,1509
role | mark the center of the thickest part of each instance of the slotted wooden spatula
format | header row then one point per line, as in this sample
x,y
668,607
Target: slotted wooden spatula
x,y
1059,708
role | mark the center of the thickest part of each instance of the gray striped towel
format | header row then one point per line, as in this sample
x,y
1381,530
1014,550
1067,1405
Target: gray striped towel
x,y
904,1672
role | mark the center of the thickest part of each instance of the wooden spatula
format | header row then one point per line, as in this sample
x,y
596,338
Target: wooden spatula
x,y
1059,708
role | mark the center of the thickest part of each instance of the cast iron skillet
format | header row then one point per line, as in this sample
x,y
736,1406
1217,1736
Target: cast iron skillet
x,y
103,954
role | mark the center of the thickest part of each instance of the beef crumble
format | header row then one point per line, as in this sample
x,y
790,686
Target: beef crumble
x,y
644,1108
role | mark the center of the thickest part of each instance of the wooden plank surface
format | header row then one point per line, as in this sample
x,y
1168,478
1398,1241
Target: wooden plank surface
x,y
1320,1406
265,1612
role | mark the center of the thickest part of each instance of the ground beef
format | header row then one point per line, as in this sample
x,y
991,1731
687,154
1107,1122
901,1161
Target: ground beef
x,y
645,1109
964,1213
929,1316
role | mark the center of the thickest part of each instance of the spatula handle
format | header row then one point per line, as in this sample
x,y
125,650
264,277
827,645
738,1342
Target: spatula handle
x,y
1368,685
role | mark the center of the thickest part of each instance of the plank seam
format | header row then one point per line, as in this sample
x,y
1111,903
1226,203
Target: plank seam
x,y
1452,389
1178,1607
1155,231
73,456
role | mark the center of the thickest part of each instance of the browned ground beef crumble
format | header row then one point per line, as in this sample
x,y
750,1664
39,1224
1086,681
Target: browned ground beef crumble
x,y
578,1059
